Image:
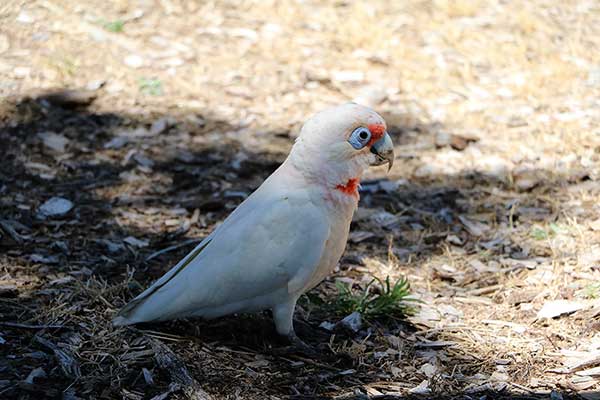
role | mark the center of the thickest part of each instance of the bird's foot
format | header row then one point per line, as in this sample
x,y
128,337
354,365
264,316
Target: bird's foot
x,y
296,345
300,345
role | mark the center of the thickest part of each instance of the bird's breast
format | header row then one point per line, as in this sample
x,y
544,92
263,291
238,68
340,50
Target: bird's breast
x,y
333,249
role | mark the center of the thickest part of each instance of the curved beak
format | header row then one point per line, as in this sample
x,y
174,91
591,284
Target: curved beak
x,y
384,150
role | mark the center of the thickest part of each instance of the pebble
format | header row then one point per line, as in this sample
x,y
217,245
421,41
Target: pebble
x,y
160,125
133,61
22,72
116,143
352,321
55,207
135,242
328,326
348,76
54,141
24,18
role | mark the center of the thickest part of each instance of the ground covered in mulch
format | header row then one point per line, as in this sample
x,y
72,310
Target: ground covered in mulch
x,y
128,131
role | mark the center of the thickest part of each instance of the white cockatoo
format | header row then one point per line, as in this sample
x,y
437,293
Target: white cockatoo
x,y
285,238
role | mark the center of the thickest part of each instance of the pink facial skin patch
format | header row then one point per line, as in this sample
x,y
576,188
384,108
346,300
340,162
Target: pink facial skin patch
x,y
377,132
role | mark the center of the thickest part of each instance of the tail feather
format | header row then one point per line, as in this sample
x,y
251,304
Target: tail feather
x,y
121,321
126,316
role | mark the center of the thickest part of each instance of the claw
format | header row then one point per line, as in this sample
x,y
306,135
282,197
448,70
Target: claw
x,y
296,346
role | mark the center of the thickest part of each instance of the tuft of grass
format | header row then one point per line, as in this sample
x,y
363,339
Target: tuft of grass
x,y
558,229
379,299
114,26
592,291
538,233
151,86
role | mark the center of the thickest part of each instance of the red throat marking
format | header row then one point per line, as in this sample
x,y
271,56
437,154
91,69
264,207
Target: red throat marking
x,y
377,132
350,188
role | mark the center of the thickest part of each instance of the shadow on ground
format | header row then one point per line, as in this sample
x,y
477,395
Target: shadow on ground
x,y
140,185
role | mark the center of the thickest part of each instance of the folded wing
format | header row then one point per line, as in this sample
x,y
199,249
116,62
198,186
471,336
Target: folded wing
x,y
265,252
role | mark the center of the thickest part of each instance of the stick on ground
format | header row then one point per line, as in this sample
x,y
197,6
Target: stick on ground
x,y
179,374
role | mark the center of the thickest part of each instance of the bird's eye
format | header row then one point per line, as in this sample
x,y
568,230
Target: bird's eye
x,y
359,137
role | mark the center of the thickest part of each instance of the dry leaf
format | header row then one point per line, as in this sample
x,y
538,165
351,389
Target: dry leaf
x,y
475,228
422,388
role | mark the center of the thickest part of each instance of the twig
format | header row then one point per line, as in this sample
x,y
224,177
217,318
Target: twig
x,y
485,290
159,335
590,361
68,363
29,326
176,369
524,388
315,363
8,228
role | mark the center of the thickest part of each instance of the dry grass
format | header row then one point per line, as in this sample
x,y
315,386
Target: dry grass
x,y
486,235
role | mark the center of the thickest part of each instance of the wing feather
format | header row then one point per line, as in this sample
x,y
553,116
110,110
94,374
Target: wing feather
x,y
269,245
124,312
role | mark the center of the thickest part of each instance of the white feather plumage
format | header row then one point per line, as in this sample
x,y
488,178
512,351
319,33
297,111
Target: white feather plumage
x,y
279,243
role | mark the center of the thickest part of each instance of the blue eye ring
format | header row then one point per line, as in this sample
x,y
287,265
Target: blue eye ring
x,y
359,137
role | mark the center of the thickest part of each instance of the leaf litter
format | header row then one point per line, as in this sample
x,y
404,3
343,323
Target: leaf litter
x,y
490,211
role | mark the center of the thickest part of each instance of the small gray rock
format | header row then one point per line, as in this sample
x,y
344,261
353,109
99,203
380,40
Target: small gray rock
x,y
55,207
328,326
54,141
116,143
113,247
161,125
352,321
135,241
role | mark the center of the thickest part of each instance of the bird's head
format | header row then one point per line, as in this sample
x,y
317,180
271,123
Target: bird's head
x,y
338,144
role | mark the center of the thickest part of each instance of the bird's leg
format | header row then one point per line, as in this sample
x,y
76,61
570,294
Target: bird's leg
x,y
283,315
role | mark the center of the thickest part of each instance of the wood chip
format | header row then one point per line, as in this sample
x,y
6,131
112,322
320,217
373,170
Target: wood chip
x,y
552,309
435,344
177,370
475,228
65,359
